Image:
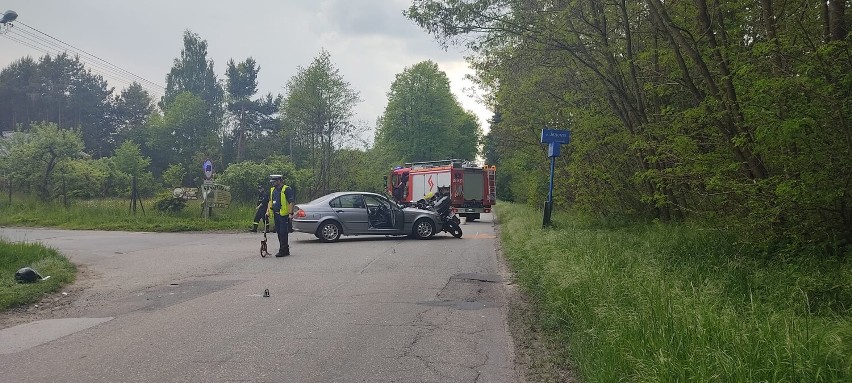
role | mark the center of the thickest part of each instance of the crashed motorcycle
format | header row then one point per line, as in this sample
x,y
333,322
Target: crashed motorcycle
x,y
441,205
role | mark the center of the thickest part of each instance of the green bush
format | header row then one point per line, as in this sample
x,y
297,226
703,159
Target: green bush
x,y
168,203
243,177
173,176
82,179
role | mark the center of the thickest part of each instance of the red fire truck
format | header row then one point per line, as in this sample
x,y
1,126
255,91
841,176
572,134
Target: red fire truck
x,y
471,187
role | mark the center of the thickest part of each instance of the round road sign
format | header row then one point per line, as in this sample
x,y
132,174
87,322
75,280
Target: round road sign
x,y
208,169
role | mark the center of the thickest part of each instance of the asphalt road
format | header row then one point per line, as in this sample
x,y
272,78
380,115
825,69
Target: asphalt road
x,y
191,307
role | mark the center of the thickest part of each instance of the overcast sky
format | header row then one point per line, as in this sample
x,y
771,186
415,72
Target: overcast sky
x,y
369,41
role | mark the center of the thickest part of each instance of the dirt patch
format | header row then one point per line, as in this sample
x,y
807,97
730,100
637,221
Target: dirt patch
x,y
53,305
536,357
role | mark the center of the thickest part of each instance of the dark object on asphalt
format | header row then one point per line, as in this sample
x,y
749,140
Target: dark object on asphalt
x,y
27,275
266,293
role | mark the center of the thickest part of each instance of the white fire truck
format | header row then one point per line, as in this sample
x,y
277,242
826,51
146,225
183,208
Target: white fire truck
x,y
471,187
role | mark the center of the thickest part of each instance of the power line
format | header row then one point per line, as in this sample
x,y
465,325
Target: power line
x,y
35,39
52,49
45,43
95,57
8,36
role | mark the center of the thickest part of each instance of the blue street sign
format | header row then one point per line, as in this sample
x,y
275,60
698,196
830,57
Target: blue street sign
x,y
553,135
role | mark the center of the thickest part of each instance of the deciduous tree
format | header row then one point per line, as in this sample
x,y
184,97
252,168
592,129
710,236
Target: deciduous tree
x,y
34,158
318,114
423,121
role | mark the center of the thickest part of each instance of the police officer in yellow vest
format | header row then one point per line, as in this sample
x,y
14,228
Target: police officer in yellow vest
x,y
281,208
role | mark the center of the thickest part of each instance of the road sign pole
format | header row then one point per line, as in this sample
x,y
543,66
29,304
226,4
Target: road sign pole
x,y
553,138
548,205
207,205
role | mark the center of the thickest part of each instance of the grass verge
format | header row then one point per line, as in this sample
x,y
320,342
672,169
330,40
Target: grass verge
x,y
115,214
14,256
675,303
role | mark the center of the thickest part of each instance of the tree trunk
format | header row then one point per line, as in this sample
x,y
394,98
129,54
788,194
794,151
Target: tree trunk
x,y
46,184
241,133
769,25
732,122
837,20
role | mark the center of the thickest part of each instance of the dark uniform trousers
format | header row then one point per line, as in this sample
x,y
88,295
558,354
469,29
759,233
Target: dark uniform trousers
x,y
282,228
260,215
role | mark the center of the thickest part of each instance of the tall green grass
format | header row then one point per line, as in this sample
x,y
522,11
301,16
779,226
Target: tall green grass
x,y
679,303
47,262
115,214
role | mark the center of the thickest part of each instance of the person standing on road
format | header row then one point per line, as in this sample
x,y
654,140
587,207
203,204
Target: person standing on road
x,y
281,208
261,209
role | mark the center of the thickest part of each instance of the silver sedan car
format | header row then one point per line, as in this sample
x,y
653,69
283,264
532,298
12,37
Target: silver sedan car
x,y
362,213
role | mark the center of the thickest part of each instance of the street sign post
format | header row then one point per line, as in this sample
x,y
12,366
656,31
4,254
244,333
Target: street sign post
x,y
207,206
553,138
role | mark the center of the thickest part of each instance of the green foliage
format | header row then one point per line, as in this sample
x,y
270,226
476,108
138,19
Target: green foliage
x,y
253,119
128,158
243,177
358,171
193,73
734,112
47,262
128,162
83,179
241,81
185,135
35,157
318,114
174,175
54,165
133,108
168,203
61,90
423,121
675,302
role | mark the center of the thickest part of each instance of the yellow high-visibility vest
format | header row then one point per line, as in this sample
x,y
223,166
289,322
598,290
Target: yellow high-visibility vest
x,y
285,206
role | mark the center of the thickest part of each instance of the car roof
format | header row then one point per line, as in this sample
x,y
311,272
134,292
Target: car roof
x,y
338,194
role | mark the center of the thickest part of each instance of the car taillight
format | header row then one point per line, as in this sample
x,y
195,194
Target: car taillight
x,y
300,214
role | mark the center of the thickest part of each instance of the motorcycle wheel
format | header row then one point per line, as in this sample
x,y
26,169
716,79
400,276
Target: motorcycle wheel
x,y
455,230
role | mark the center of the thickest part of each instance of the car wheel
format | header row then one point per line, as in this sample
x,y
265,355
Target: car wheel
x,y
423,228
329,231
